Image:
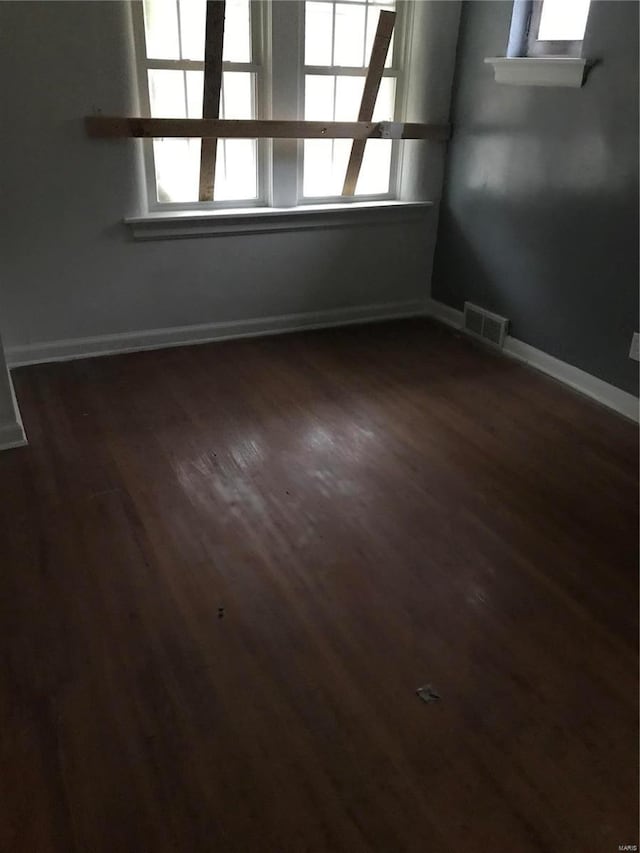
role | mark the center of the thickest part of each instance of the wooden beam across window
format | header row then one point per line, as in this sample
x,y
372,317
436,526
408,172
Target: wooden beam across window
x,y
214,38
378,58
114,127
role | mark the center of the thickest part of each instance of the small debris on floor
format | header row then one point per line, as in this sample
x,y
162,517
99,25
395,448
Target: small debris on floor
x,y
220,612
428,693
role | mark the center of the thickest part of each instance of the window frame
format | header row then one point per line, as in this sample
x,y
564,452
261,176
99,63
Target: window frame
x,y
397,69
256,66
277,47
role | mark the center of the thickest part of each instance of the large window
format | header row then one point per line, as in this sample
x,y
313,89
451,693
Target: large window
x,y
171,43
327,53
338,40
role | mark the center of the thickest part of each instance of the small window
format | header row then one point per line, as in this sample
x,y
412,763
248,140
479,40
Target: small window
x,y
557,27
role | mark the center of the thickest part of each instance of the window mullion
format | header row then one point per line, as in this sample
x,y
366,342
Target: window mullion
x,y
346,71
196,65
364,46
179,22
335,96
333,34
286,65
144,102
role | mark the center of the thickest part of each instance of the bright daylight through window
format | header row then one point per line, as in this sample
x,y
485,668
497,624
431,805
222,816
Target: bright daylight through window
x,y
338,40
557,27
563,20
336,47
174,59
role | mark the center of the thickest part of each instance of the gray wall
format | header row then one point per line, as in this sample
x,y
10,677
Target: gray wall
x,y
68,267
539,220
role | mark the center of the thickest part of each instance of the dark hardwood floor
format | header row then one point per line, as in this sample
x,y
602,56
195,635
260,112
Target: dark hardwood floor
x,y
226,569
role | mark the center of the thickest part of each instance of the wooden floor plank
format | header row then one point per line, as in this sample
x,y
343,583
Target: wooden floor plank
x,y
226,569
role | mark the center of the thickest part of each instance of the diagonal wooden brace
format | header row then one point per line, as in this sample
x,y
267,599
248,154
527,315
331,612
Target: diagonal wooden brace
x,y
378,58
214,37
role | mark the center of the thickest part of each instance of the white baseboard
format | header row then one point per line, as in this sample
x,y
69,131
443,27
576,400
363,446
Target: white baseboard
x,y
12,435
445,314
603,392
65,350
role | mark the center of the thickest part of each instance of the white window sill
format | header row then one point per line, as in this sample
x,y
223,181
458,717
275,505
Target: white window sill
x,y
539,71
215,223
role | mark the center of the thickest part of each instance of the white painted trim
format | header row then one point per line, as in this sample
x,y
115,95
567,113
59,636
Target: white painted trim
x,y
215,223
12,435
538,71
65,350
603,392
16,410
445,313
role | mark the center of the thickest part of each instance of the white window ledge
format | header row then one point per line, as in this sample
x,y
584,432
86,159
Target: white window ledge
x,y
538,71
215,223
